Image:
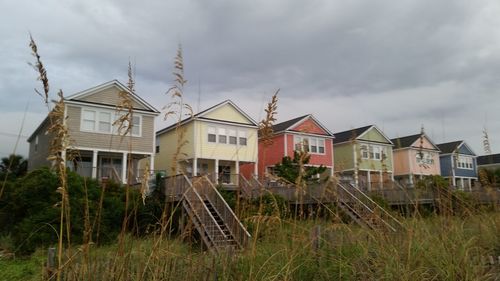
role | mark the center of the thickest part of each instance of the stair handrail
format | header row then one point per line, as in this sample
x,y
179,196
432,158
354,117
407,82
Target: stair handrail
x,y
375,205
235,226
244,184
204,209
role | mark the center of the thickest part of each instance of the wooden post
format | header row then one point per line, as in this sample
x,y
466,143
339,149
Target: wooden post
x,y
51,262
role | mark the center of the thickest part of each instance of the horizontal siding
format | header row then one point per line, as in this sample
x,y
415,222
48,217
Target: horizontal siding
x,y
343,157
110,141
204,149
168,148
38,158
110,96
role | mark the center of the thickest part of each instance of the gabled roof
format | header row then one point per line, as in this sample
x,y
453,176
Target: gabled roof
x,y
80,95
452,147
350,134
290,124
449,147
488,159
357,133
201,114
408,141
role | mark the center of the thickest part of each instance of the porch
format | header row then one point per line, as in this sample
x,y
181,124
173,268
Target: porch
x,y
223,172
118,166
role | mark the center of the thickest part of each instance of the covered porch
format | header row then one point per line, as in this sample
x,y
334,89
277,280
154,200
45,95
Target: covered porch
x,y
223,172
119,166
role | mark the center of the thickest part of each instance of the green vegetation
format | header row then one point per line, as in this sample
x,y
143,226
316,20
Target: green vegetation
x,y
435,248
290,169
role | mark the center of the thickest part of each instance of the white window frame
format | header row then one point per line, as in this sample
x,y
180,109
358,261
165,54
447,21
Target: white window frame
x,y
306,143
211,130
465,162
113,117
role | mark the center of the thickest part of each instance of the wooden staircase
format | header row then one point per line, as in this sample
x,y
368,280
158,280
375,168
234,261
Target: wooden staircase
x,y
363,210
218,226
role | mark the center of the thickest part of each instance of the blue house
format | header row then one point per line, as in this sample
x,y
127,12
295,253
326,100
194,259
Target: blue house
x,y
458,163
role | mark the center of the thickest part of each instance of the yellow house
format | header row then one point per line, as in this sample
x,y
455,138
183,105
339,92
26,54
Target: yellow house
x,y
214,142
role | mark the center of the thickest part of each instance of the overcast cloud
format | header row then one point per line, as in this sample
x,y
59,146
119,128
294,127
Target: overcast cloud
x,y
396,64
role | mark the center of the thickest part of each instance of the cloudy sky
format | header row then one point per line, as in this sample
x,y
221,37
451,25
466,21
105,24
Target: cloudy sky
x,y
397,64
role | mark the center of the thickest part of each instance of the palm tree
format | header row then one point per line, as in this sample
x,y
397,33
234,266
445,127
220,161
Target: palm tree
x,y
14,165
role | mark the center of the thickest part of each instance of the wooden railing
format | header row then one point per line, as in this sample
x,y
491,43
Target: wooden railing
x,y
348,193
207,226
175,186
207,190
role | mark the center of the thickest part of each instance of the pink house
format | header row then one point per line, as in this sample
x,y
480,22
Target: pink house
x,y
415,156
304,132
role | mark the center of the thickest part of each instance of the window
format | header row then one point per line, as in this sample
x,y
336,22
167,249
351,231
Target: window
x,y
232,136
321,146
212,137
309,144
222,135
425,158
104,122
243,137
374,152
465,162
364,151
136,125
314,145
88,123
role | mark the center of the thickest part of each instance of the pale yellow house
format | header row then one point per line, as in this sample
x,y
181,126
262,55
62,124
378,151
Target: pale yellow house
x,y
214,142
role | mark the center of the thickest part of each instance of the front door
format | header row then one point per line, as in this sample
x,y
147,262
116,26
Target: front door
x,y
224,174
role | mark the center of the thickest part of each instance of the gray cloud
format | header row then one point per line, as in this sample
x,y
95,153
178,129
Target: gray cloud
x,y
397,64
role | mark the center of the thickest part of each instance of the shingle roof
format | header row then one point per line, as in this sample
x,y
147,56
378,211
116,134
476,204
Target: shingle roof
x,y
349,134
449,147
407,141
488,159
286,124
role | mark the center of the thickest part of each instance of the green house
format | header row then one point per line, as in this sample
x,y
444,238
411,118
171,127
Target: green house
x,y
364,157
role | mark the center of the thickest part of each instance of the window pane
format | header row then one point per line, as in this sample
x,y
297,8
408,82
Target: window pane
x,y
211,138
136,130
321,149
88,125
136,120
314,149
232,140
104,122
89,115
222,139
243,141
211,130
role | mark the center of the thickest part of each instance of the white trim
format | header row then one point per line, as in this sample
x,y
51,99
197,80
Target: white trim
x,y
315,120
203,113
114,115
376,128
468,147
428,139
106,85
286,145
112,107
110,150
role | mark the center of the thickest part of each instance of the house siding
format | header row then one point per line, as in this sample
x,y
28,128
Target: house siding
x,y
377,165
309,126
168,147
38,158
446,165
110,96
227,113
110,141
271,154
343,157
401,162
220,151
373,135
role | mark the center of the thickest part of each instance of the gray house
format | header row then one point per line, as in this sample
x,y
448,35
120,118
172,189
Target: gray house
x,y
101,151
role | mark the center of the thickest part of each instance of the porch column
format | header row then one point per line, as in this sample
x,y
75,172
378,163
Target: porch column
x,y
369,180
237,169
94,164
256,169
216,169
381,179
151,162
124,167
410,177
195,167
470,184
